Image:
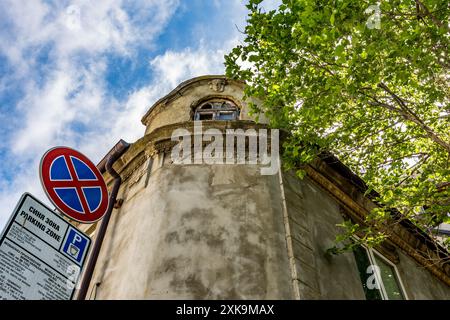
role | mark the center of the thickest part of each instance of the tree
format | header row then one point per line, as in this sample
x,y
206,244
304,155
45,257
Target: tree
x,y
369,83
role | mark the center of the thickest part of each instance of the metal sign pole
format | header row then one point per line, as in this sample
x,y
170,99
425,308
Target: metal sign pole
x,y
105,165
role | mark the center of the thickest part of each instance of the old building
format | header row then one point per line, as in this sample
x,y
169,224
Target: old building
x,y
226,231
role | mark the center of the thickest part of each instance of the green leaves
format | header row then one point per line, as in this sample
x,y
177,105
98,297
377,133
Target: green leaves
x,y
332,18
379,99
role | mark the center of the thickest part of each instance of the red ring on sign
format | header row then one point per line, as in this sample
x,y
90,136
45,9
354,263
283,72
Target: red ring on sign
x,y
49,185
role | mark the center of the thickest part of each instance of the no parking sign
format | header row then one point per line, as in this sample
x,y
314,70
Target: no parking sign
x,y
74,184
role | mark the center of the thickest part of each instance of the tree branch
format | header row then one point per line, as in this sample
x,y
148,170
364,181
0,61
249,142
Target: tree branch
x,y
408,114
427,12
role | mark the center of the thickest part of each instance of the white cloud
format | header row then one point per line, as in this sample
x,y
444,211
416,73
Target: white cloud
x,y
80,34
270,4
27,180
71,91
174,67
123,120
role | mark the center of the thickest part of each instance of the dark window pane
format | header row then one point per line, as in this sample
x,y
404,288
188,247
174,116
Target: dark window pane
x,y
363,262
389,278
205,116
226,116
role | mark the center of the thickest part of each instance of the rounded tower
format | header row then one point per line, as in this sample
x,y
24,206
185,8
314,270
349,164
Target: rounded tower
x,y
195,229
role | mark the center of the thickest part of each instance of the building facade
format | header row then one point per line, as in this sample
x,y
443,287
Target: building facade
x,y
225,231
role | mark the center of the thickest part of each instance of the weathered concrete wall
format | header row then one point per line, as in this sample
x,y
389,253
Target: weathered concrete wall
x,y
217,232
313,216
226,231
197,232
419,283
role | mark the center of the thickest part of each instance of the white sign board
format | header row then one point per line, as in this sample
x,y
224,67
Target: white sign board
x,y
41,254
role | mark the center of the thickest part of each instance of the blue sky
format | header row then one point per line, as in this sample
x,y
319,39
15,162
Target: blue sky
x,y
82,73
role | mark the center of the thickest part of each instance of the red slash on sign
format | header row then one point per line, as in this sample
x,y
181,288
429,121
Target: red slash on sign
x,y
74,184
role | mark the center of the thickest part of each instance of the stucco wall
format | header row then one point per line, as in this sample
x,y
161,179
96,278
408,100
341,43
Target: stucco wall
x,y
226,231
217,232
197,232
419,283
313,216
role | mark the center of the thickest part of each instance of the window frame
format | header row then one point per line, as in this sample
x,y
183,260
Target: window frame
x,y
371,252
215,111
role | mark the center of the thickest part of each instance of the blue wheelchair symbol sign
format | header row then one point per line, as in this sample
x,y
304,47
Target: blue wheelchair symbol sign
x,y
75,245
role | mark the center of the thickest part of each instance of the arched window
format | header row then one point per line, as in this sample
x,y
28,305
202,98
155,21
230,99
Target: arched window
x,y
216,110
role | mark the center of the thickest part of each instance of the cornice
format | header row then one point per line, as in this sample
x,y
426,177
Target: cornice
x,y
358,207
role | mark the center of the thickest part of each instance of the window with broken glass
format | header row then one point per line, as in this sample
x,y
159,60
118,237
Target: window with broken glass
x,y
216,110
